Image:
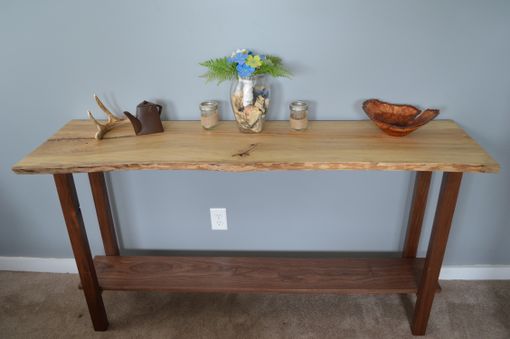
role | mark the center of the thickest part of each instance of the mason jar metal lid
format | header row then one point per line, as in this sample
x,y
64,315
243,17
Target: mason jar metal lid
x,y
209,105
298,105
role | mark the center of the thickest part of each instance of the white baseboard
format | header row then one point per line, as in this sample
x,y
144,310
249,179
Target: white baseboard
x,y
67,265
51,265
475,272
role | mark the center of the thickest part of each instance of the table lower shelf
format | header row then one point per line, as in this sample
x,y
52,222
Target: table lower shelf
x,y
247,274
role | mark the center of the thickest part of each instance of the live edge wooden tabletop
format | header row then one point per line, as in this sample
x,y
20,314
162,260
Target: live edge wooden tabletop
x,y
326,145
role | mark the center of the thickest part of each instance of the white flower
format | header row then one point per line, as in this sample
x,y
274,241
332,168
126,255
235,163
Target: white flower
x,y
244,50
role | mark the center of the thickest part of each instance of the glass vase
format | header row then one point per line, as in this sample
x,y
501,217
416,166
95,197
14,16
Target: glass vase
x,y
249,98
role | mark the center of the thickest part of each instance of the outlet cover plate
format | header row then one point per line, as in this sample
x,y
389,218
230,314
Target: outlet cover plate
x,y
219,219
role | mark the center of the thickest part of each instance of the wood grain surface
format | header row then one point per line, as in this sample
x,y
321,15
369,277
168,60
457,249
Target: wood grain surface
x,y
325,145
245,274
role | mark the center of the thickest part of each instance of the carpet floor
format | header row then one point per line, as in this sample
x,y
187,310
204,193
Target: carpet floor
x,y
48,305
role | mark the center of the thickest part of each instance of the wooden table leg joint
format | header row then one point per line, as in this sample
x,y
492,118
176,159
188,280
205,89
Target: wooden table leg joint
x,y
448,194
81,250
417,213
104,213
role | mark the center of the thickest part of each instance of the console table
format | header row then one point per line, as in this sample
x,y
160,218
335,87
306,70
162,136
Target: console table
x,y
326,145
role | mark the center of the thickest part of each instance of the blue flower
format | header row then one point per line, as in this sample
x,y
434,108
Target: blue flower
x,y
244,70
239,58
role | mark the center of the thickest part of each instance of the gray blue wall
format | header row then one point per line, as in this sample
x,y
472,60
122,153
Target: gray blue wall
x,y
453,55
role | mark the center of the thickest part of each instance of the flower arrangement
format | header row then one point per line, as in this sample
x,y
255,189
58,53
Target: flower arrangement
x,y
250,92
244,63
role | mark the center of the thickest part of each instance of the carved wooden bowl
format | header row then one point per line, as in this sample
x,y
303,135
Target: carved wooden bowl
x,y
397,120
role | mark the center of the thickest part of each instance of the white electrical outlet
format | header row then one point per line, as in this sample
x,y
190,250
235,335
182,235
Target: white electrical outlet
x,y
219,219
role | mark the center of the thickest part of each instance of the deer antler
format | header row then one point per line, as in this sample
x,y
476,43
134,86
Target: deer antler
x,y
111,121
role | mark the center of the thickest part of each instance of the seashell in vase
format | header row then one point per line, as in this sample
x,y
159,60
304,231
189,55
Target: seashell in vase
x,y
249,98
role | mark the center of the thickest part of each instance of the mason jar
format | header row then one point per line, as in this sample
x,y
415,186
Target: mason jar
x,y
298,115
209,115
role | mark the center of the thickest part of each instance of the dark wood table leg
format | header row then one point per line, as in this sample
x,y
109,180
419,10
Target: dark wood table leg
x,y
78,236
416,214
104,213
437,244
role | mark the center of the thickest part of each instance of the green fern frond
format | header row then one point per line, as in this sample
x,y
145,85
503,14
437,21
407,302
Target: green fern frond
x,y
274,69
274,59
219,69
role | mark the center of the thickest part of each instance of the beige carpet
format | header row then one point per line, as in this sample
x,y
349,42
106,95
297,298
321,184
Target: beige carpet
x,y
44,305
